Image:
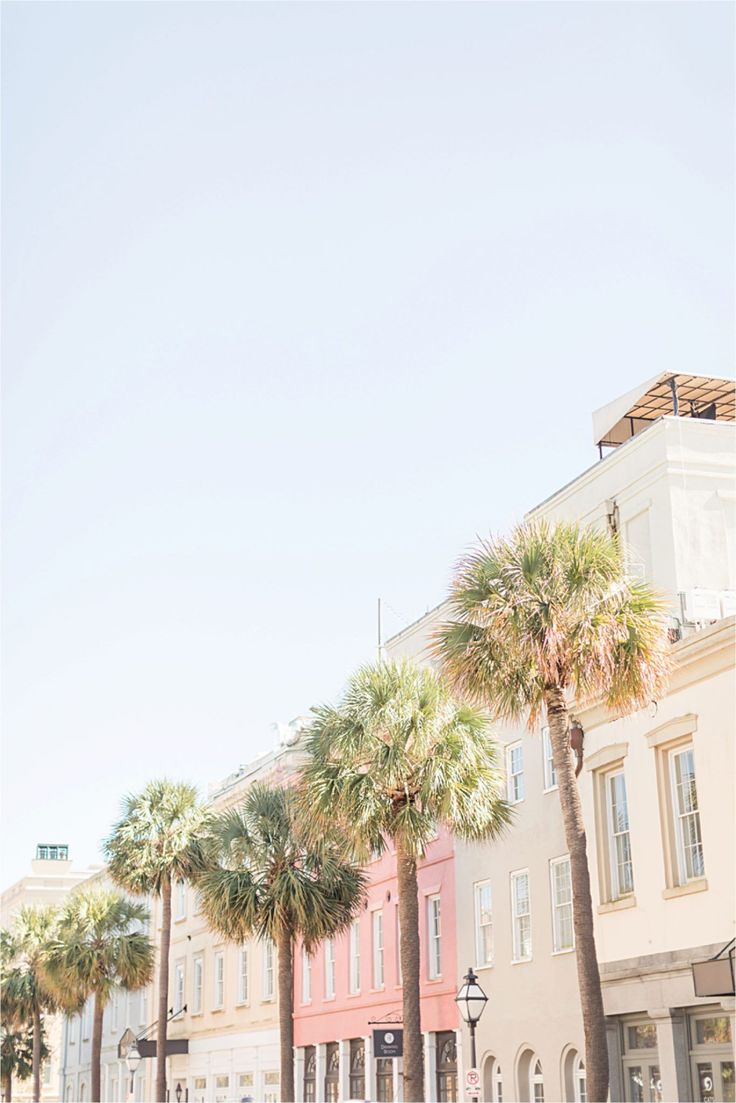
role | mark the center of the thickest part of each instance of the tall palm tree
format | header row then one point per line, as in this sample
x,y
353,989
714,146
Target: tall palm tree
x,y
24,993
99,946
158,841
396,757
538,620
271,880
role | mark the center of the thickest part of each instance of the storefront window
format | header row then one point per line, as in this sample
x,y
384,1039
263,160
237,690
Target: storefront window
x,y
711,1058
332,1073
446,1067
357,1068
310,1074
642,1080
385,1079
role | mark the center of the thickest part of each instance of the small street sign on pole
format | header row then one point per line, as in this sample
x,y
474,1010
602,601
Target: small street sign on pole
x,y
472,1083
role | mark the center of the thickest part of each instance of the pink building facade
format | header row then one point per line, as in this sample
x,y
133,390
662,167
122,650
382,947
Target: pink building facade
x,y
351,986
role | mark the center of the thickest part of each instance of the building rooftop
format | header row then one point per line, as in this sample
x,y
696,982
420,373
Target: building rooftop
x,y
693,396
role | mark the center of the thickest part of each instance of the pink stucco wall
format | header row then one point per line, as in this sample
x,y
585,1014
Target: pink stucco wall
x,y
348,1016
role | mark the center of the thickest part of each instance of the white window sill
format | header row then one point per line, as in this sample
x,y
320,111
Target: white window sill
x,y
521,960
699,884
242,1003
486,965
561,953
217,1010
552,789
353,995
618,905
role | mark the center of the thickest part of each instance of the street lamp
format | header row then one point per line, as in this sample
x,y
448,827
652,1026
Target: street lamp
x,y
177,1092
133,1060
471,999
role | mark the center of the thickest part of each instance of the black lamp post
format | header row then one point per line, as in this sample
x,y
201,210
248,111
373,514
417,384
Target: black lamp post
x,y
471,999
177,1092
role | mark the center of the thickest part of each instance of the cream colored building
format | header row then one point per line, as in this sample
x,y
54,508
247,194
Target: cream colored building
x,y
657,791
51,879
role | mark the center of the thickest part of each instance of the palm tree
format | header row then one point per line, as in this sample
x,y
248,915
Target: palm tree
x,y
24,994
541,618
16,1057
268,879
99,946
158,841
396,757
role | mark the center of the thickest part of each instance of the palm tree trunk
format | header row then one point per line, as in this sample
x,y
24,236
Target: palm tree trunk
x,y
36,1053
97,1049
163,991
7,1087
409,921
285,950
589,981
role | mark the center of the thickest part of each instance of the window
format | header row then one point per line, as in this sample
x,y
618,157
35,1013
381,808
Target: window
x,y
179,986
642,1080
143,1008
268,950
355,956
87,1019
385,1079
522,917
243,986
306,977
483,924
218,996
198,973
712,1056
271,1083
580,1082
687,816
550,777
357,1068
619,840
434,940
561,890
181,900
245,1080
378,950
497,1084
310,1074
329,968
515,772
73,1030
446,1066
332,1072
222,1089
537,1082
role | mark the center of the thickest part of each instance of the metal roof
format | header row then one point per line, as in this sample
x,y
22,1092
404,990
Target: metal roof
x,y
704,396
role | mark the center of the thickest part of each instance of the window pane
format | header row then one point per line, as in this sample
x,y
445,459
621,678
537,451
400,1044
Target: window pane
x,y
636,1085
715,1031
727,1082
642,1036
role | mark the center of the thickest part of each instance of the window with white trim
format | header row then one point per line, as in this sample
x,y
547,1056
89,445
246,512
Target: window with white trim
x,y
619,838
537,1082
181,900
522,915
483,923
178,986
690,861
306,977
243,975
580,1081
329,953
377,921
219,989
550,775
143,1008
497,1083
561,895
434,940
355,956
197,982
268,973
515,772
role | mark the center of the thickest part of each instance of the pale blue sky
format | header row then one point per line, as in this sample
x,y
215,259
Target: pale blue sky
x,y
297,300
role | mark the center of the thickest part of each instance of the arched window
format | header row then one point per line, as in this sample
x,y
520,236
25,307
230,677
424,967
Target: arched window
x,y
310,1074
580,1095
82,1092
536,1082
497,1083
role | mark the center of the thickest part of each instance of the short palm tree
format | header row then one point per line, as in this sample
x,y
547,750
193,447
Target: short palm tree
x,y
396,757
268,879
544,617
16,1057
158,841
100,945
24,994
